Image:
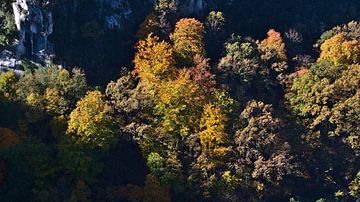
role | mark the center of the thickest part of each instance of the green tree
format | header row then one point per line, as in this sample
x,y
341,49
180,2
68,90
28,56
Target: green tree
x,y
240,65
51,89
7,25
215,20
30,172
78,162
327,99
351,31
156,164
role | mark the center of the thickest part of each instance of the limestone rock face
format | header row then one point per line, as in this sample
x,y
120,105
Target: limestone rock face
x,y
192,7
34,24
79,25
116,12
8,62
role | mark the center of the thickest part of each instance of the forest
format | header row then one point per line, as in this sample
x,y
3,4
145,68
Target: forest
x,y
179,100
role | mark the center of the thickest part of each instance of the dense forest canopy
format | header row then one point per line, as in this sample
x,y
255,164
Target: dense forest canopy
x,y
179,100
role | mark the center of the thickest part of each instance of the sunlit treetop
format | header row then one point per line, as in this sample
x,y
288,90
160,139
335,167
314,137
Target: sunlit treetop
x,y
188,39
339,50
212,131
89,124
7,81
154,60
215,20
273,45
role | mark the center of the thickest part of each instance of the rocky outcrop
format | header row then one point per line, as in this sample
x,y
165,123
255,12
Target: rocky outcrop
x,y
115,12
86,31
192,7
8,62
34,25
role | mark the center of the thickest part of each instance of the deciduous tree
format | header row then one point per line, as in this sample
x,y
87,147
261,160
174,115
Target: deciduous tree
x,y
188,39
327,98
340,51
89,123
178,106
273,51
261,149
7,85
154,61
212,133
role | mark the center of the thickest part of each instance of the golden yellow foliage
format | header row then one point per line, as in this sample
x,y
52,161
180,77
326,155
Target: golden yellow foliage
x,y
177,104
212,131
339,50
35,100
154,61
7,81
89,123
54,101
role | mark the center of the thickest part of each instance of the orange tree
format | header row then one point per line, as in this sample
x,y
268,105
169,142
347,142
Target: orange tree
x,y
188,39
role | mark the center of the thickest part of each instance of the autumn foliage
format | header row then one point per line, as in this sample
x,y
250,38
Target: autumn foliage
x,y
188,40
255,123
273,45
212,134
154,60
89,123
339,50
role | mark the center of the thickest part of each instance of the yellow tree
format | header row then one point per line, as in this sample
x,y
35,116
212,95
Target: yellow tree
x,y
89,123
207,168
55,102
339,50
154,61
212,131
7,82
188,39
177,105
